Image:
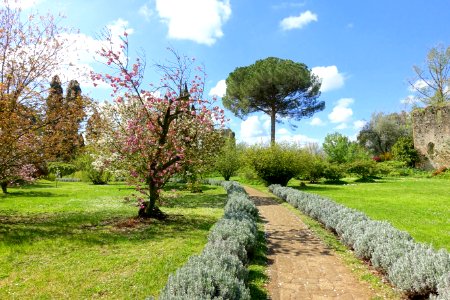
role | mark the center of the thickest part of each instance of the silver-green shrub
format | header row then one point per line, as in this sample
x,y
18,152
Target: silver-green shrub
x,y
415,268
376,234
443,288
232,187
241,203
389,251
205,277
242,231
418,271
219,272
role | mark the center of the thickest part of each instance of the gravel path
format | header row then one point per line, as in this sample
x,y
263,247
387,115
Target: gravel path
x,y
300,265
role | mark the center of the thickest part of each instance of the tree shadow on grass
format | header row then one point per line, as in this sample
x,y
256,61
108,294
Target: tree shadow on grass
x,y
182,187
96,229
30,194
196,201
315,187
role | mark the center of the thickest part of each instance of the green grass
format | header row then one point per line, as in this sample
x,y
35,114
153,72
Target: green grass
x,y
83,241
420,206
257,268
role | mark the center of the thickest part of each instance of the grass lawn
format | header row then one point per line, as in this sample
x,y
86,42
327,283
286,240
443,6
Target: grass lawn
x,y
82,241
420,206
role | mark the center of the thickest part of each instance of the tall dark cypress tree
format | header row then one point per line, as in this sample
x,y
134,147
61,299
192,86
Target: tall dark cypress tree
x,y
74,107
65,115
53,117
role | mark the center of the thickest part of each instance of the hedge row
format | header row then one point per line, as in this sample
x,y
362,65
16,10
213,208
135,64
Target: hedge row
x,y
219,272
415,268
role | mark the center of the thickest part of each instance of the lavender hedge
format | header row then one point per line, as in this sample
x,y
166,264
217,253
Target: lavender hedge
x,y
219,272
415,268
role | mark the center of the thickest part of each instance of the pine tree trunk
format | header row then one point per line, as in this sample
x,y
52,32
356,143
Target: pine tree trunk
x,y
272,127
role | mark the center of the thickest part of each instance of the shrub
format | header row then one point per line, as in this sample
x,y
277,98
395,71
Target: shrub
x,y
61,168
277,164
393,168
415,268
388,252
219,271
206,277
241,204
228,161
241,231
315,171
403,150
419,271
85,162
333,172
443,288
376,234
364,169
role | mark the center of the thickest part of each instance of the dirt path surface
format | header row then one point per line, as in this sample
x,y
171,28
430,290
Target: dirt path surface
x,y
300,265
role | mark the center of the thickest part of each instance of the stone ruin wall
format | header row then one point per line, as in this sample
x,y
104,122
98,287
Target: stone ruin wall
x,y
431,131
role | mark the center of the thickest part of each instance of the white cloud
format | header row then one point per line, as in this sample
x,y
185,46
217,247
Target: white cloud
x,y
359,124
317,122
200,21
341,113
418,85
219,90
119,27
146,12
410,100
253,128
256,129
79,57
298,22
330,76
282,131
296,138
341,126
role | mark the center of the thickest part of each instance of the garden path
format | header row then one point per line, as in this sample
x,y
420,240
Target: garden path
x,y
301,266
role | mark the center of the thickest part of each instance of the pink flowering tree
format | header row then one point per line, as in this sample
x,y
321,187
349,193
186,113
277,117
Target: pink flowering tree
x,y
156,129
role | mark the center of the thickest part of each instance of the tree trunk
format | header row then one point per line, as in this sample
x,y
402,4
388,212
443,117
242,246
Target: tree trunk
x,y
4,185
149,209
272,127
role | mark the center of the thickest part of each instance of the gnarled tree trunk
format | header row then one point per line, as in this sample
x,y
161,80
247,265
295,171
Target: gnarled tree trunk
x,y
4,185
149,209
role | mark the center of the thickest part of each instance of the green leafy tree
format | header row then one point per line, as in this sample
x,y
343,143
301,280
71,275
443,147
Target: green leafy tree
x,y
278,163
228,162
365,169
432,83
336,146
383,130
315,169
403,150
278,87
339,149
333,172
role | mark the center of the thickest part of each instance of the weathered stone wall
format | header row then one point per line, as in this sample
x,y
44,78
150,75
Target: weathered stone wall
x,y
431,131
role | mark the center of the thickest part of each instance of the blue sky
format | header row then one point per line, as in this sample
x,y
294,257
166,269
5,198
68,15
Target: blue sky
x,y
363,50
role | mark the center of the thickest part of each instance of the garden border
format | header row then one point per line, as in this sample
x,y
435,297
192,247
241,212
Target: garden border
x,y
414,268
219,272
